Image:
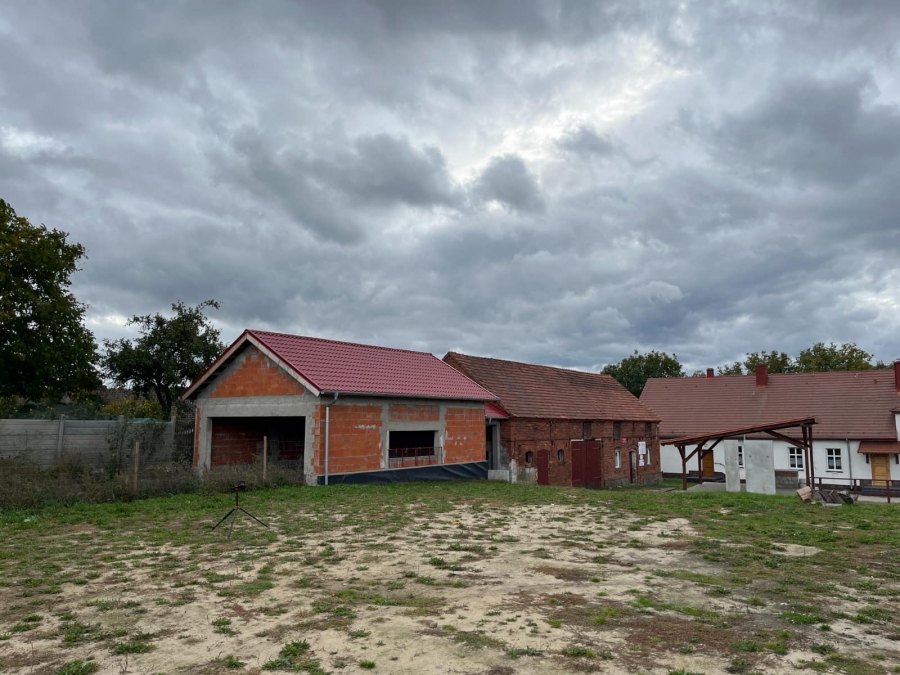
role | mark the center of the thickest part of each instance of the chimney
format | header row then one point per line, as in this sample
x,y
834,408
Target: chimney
x,y
897,375
709,373
762,375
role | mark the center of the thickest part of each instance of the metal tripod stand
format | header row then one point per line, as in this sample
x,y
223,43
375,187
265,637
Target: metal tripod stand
x,y
237,510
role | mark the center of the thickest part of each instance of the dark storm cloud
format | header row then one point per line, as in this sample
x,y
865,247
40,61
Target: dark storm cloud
x,y
560,181
508,181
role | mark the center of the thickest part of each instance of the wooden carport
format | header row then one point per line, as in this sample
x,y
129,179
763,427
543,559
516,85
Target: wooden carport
x,y
774,429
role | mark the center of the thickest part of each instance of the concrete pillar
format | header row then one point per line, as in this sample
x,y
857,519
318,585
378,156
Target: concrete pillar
x,y
732,469
759,465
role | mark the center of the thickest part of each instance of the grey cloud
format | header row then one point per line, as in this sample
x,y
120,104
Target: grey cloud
x,y
815,130
508,181
586,142
335,168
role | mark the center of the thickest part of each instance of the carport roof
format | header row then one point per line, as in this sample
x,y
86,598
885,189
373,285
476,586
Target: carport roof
x,y
329,366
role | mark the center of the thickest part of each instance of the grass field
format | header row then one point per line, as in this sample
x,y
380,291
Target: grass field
x,y
453,578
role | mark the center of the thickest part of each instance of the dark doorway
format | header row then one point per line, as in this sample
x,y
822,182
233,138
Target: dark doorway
x,y
632,456
543,467
489,445
239,440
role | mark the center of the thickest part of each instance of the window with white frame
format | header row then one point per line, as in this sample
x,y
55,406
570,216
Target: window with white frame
x,y
649,455
795,458
618,458
834,459
740,455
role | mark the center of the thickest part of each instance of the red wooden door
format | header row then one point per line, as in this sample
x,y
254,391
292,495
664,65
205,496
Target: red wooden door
x,y
579,463
592,464
543,467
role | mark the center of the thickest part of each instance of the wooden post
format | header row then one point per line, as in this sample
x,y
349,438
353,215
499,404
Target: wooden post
x,y
59,439
135,484
265,456
683,468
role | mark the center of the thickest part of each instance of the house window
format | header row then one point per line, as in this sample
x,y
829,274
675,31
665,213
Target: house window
x,y
740,455
617,430
834,459
561,457
648,430
618,458
411,448
586,431
529,456
649,455
795,458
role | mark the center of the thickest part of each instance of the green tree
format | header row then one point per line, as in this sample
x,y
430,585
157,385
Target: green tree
x,y
732,369
45,349
168,354
778,362
821,358
634,371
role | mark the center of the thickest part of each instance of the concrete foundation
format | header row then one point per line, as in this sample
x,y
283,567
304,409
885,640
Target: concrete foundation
x,y
759,462
732,468
498,474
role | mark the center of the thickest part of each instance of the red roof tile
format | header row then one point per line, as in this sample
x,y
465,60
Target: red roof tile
x,y
527,390
879,447
332,366
495,411
853,405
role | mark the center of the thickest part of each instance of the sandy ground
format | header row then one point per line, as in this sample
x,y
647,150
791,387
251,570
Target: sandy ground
x,y
543,580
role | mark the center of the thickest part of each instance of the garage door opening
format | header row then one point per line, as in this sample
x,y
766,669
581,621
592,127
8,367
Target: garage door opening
x,y
413,448
239,440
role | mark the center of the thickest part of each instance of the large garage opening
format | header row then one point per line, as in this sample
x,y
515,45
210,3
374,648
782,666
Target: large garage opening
x,y
239,440
413,448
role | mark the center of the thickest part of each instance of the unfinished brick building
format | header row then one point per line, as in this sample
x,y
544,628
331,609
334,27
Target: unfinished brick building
x,y
343,412
556,426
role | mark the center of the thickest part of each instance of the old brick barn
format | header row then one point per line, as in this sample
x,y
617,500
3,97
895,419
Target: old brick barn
x,y
343,412
556,426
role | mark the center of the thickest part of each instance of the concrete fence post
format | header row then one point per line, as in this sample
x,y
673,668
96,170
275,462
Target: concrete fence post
x,y
265,457
135,477
60,437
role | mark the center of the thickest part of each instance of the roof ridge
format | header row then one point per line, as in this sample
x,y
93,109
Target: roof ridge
x,y
532,365
340,342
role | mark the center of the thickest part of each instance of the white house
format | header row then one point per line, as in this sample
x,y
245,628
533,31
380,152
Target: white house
x,y
858,414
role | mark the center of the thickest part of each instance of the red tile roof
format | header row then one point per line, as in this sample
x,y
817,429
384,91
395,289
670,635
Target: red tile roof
x,y
879,447
495,411
527,390
345,367
852,405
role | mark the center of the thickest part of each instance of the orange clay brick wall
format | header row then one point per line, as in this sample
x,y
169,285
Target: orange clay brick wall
x,y
355,443
235,443
407,412
464,436
255,375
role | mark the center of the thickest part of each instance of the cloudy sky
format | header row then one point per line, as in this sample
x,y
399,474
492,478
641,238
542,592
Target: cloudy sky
x,y
555,181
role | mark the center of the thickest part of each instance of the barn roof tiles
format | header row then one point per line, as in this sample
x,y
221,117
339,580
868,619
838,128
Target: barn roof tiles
x,y
855,405
879,448
527,390
345,367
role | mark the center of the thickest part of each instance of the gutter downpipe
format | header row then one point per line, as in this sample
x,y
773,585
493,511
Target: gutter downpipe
x,y
849,462
327,434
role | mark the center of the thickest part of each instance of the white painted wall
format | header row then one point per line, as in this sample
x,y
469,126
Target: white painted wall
x,y
853,464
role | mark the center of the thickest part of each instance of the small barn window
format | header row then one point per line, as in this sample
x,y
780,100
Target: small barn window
x,y
617,430
649,455
618,458
648,430
586,431
529,456
740,455
561,457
